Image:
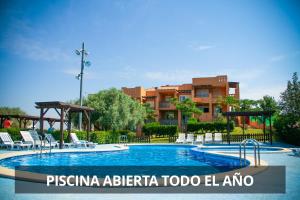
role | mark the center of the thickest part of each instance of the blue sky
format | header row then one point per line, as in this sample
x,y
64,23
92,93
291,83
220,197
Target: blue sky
x,y
148,43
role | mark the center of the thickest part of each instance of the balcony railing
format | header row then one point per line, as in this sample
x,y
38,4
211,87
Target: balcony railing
x,y
168,121
164,104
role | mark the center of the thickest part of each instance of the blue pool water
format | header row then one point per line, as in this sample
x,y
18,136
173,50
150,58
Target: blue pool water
x,y
249,149
144,155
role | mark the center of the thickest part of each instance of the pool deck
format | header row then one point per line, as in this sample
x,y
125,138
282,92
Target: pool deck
x,y
286,159
10,173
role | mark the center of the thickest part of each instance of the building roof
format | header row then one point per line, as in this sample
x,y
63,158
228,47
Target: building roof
x,y
59,104
27,117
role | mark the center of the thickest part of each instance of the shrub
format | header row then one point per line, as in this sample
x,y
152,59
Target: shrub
x,y
209,127
288,129
13,132
159,130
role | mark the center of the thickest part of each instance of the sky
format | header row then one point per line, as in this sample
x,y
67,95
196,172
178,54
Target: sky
x,y
144,43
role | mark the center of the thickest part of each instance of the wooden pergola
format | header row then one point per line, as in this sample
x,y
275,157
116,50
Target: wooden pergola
x,y
65,111
23,119
263,114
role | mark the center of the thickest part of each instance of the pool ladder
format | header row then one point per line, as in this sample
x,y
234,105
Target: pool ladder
x,y
256,151
44,146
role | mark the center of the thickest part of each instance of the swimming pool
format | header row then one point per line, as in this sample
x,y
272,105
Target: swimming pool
x,y
136,155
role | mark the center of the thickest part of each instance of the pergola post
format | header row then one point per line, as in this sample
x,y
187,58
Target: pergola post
x,y
228,129
41,120
1,122
89,125
69,124
24,123
264,128
61,141
20,122
271,132
243,125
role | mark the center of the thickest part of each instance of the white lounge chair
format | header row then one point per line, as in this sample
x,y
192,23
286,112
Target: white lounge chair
x,y
208,138
81,143
9,143
218,137
36,138
49,137
190,138
199,139
181,138
27,138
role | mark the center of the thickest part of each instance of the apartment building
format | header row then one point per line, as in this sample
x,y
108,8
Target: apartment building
x,y
203,91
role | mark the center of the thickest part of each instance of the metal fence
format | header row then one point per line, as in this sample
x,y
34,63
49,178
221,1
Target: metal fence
x,y
236,137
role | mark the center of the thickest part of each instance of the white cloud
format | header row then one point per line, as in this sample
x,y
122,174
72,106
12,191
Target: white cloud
x,y
278,58
36,50
202,47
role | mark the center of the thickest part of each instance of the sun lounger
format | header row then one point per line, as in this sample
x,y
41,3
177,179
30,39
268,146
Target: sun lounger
x,y
208,138
181,138
9,143
199,139
81,143
49,137
37,139
190,138
27,138
218,138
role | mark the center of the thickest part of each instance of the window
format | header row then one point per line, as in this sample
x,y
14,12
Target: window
x,y
202,92
183,97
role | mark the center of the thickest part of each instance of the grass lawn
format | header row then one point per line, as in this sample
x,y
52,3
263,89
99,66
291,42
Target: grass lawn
x,y
160,140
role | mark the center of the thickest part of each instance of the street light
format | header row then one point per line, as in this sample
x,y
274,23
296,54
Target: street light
x,y
83,53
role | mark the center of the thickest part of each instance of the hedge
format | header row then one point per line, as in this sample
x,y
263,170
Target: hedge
x,y
159,130
209,127
100,137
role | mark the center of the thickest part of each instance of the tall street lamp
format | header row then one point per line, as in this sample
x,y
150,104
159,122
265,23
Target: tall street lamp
x,y
83,53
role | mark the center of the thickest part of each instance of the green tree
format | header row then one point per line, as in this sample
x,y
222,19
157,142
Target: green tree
x,y
290,98
230,101
248,105
187,108
150,113
287,124
115,110
268,103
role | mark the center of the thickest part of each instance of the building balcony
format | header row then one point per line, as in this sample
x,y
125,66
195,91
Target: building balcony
x,y
168,122
166,105
201,99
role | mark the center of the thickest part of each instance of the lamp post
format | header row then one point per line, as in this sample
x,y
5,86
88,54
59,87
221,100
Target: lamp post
x,y
83,53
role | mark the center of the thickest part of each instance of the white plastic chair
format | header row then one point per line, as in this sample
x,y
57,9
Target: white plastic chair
x,y
82,143
218,137
208,138
199,139
190,138
181,138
